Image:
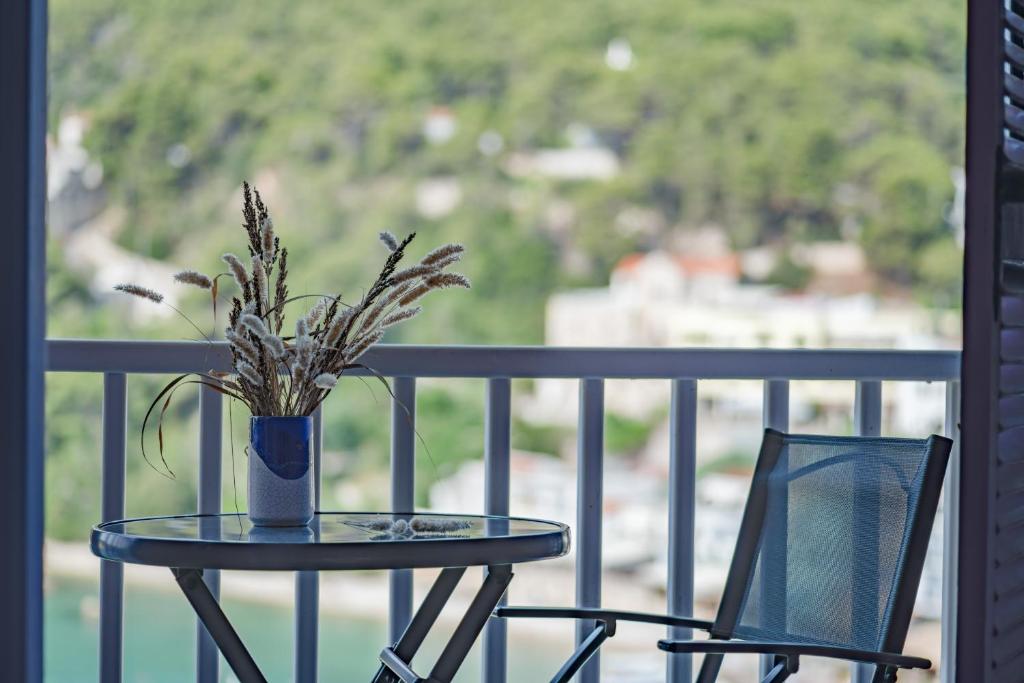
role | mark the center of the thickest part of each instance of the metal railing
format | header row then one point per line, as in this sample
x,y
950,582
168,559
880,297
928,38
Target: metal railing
x,y
683,368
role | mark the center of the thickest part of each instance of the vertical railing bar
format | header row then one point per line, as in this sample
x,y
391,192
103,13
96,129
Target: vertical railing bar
x,y
775,415
307,584
403,480
589,501
867,421
950,537
115,418
682,491
211,417
497,472
867,411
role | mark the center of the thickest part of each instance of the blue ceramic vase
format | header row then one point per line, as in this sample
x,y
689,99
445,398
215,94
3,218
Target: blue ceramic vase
x,y
280,471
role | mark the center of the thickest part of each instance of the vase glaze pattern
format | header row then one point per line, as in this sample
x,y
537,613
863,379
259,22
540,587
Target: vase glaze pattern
x,y
280,471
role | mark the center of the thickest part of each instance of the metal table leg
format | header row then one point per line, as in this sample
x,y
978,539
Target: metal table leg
x,y
218,626
395,660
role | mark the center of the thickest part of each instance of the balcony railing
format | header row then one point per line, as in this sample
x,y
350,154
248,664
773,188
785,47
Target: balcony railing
x,y
683,368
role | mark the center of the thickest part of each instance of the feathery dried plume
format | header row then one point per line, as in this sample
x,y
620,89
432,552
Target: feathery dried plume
x,y
389,240
415,293
443,263
374,314
396,293
249,373
338,327
362,344
413,273
254,324
195,278
421,525
400,316
446,280
267,237
242,345
280,288
303,360
432,282
275,346
259,278
442,253
298,372
140,291
325,381
303,343
315,313
237,270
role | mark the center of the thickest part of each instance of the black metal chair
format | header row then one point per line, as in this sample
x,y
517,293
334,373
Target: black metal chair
x,y
827,563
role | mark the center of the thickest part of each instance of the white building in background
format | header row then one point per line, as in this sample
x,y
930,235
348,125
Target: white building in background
x,y
572,163
545,487
665,300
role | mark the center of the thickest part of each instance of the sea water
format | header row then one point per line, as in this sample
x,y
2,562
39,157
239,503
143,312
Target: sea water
x,y
160,637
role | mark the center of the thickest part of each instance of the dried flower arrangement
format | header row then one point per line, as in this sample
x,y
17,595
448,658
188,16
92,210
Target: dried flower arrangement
x,y
279,375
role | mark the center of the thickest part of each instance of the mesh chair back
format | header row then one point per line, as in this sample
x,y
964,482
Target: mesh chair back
x,y
833,539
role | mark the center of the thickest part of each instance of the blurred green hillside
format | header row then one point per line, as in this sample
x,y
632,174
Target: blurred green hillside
x,y
781,121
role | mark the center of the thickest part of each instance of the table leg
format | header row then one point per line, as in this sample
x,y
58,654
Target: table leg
x,y
218,626
473,622
407,646
395,661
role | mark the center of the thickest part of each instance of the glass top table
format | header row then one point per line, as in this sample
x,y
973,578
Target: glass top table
x,y
190,544
332,541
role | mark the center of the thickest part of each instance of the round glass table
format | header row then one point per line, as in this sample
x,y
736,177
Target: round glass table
x,y
188,544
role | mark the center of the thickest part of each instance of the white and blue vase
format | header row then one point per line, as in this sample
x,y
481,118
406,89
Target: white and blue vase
x,y
281,470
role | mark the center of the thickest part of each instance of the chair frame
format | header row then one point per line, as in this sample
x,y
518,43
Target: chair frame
x,y
786,655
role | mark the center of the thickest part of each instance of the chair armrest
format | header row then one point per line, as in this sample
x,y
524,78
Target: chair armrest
x,y
795,650
601,614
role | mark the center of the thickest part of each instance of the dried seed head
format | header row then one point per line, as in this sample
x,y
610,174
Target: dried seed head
x,y
414,293
446,280
274,345
237,270
443,252
338,327
249,373
363,344
443,263
242,345
259,278
400,316
191,277
325,381
389,241
254,324
315,313
267,239
140,291
413,273
373,315
298,373
420,524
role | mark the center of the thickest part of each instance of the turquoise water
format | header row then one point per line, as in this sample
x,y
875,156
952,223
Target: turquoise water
x,y
159,642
